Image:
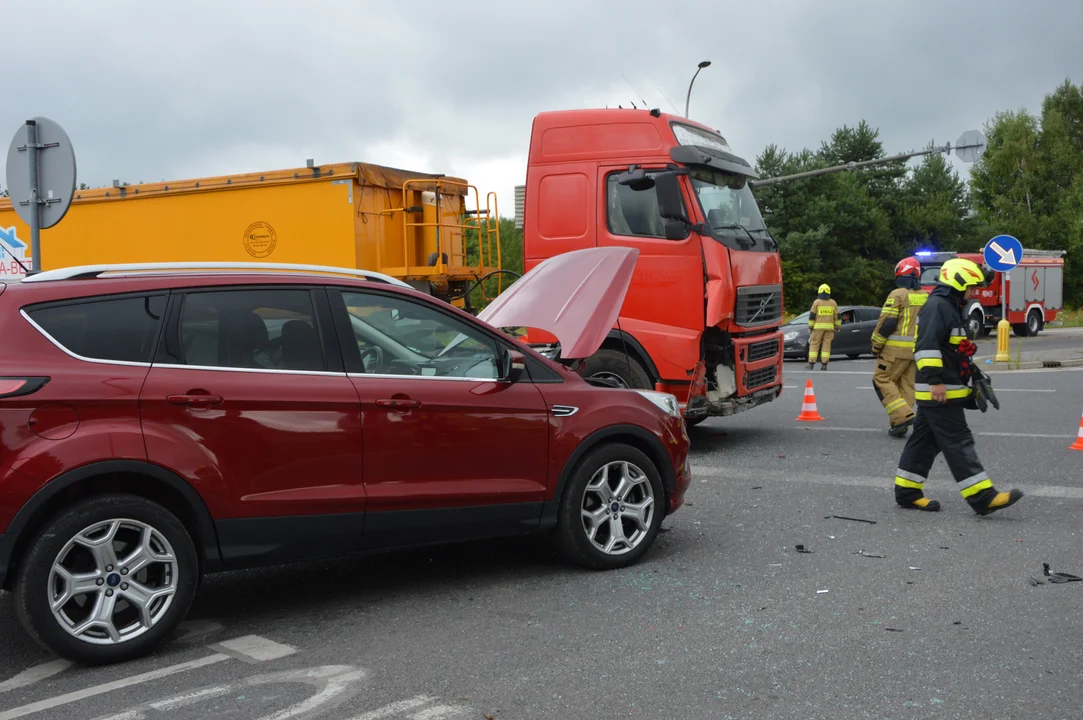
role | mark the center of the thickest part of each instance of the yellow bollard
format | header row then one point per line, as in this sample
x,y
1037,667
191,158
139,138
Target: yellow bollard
x,y
1003,351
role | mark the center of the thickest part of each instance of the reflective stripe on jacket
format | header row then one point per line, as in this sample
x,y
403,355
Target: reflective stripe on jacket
x,y
936,349
896,329
824,315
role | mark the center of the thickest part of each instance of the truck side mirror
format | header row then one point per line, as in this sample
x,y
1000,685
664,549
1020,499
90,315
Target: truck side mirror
x,y
670,200
636,178
677,229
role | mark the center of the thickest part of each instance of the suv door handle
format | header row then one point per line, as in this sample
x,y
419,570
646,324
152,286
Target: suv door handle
x,y
399,404
196,401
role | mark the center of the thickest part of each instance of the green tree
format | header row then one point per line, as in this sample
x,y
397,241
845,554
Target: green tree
x,y
1029,182
511,258
936,210
849,228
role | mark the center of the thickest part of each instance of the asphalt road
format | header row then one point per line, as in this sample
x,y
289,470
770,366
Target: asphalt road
x,y
723,619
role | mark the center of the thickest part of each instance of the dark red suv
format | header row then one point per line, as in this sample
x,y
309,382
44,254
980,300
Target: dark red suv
x,y
161,422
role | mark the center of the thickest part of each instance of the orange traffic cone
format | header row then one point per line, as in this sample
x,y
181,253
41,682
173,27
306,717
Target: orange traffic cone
x,y
1078,445
809,413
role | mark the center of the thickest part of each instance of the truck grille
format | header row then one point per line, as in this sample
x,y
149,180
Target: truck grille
x,y
763,376
762,350
758,305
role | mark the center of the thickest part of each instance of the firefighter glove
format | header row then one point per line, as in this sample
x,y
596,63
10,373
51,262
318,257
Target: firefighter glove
x,y
967,348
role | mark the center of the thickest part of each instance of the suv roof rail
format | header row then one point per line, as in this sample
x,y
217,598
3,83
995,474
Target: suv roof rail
x,y
86,272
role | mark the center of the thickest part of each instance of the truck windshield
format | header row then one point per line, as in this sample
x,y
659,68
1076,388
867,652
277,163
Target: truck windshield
x,y
732,214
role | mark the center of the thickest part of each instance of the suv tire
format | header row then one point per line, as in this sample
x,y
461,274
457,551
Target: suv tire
x,y
139,526
591,489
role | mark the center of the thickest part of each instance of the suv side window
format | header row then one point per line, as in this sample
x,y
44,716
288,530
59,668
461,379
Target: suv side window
x,y
109,329
395,336
868,314
264,329
632,213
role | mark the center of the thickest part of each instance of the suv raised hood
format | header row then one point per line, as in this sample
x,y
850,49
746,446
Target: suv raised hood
x,y
576,296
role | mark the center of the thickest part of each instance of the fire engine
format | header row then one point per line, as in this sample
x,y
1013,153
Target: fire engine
x,y
1034,290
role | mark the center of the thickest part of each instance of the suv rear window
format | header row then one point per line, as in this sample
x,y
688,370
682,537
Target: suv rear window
x,y
116,329
264,329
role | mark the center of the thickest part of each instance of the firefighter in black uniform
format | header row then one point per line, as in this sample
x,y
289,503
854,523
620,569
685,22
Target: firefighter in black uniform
x,y
942,352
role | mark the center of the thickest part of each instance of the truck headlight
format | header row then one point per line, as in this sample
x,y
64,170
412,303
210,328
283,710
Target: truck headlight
x,y
663,401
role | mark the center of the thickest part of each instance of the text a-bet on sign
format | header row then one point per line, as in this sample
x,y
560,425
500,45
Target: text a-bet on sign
x,y
13,250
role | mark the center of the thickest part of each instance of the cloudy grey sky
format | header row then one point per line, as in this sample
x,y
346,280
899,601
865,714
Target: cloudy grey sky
x,y
170,90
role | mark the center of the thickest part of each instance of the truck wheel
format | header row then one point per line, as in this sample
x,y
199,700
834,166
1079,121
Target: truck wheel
x,y
107,579
614,366
975,325
1020,329
1034,323
611,509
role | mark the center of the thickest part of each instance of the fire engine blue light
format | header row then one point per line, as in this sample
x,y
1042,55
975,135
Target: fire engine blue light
x,y
924,253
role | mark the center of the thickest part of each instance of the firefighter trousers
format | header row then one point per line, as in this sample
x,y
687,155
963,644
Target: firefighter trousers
x,y
893,381
819,344
938,430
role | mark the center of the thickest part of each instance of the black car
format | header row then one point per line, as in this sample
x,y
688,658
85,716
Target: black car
x,y
853,339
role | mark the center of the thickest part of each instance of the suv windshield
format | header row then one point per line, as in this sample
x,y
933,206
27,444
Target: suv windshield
x,y
732,215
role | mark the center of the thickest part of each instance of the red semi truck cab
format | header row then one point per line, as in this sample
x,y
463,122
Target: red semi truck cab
x,y
701,317
1034,287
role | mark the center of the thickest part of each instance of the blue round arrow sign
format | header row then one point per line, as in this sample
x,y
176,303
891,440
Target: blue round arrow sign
x,y
1003,252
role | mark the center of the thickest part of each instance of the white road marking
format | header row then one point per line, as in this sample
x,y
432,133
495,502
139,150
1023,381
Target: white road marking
x,y
395,708
89,692
334,685
1026,435
34,674
254,647
439,712
180,701
337,680
1051,491
828,428
1043,390
822,373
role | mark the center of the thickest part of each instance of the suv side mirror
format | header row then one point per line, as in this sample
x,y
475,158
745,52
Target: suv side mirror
x,y
514,366
670,200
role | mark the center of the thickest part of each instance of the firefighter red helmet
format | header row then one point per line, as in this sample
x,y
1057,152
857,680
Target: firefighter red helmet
x,y
908,266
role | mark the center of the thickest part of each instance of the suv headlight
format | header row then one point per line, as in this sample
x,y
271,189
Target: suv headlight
x,y
790,335
663,401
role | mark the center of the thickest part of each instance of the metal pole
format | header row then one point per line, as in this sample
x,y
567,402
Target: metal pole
x,y
1004,295
35,220
688,96
854,165
1003,328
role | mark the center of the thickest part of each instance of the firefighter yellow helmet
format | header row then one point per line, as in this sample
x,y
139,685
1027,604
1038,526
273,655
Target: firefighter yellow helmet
x,y
825,288
960,274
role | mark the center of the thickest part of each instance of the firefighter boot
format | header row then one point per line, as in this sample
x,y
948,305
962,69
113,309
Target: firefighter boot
x,y
989,500
811,365
823,366
900,429
913,498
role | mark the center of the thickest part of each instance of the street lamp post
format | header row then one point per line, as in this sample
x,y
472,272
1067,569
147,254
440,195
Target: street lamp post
x,y
688,97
